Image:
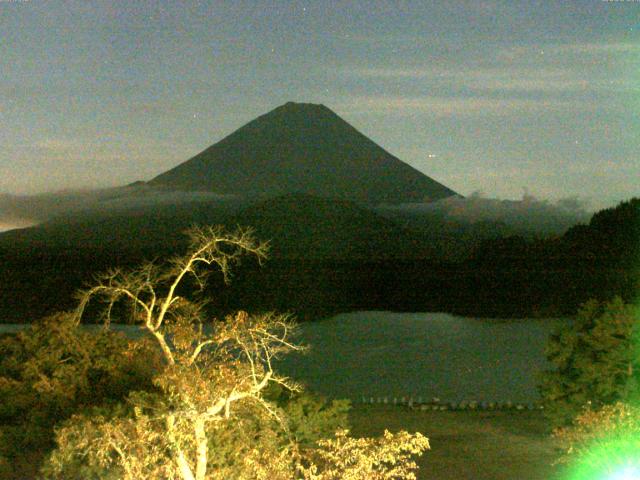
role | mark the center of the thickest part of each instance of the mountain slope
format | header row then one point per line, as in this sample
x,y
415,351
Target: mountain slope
x,y
303,148
301,226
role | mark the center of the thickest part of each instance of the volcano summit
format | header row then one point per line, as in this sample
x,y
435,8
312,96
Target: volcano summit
x,y
302,148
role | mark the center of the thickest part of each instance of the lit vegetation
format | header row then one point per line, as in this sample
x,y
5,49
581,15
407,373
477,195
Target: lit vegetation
x,y
212,411
603,443
52,370
591,395
595,361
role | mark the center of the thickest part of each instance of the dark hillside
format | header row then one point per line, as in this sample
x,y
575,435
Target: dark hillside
x,y
301,226
598,260
331,256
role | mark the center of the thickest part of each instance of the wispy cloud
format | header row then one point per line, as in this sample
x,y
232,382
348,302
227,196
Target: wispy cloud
x,y
62,145
566,51
400,72
446,106
549,69
597,48
514,78
18,211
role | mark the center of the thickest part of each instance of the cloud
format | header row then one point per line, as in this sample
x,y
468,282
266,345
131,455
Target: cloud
x,y
486,78
18,211
541,68
391,72
528,214
565,53
603,48
448,106
520,79
508,79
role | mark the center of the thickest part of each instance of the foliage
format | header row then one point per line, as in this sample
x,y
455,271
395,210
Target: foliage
x,y
53,369
210,415
211,381
302,419
590,427
310,418
594,360
143,443
601,441
384,458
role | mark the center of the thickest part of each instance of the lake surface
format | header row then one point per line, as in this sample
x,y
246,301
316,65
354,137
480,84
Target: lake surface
x,y
378,354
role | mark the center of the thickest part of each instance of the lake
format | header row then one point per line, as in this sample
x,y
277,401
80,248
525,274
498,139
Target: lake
x,y
378,354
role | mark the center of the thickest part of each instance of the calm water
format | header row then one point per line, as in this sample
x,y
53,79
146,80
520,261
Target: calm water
x,y
422,354
417,354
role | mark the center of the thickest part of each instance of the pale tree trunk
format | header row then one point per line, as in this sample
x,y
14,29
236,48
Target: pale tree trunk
x,y
185,469
168,355
180,459
201,449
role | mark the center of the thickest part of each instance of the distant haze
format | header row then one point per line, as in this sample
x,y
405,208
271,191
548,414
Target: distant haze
x,y
526,214
19,211
11,224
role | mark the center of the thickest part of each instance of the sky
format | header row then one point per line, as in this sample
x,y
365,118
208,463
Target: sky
x,y
503,98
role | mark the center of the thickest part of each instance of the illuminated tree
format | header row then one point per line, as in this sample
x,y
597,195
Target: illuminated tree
x,y
213,388
166,434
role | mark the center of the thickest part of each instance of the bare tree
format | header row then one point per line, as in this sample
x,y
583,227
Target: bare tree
x,y
210,366
215,375
152,291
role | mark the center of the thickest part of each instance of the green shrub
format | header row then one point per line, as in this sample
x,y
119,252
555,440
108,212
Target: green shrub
x,y
595,360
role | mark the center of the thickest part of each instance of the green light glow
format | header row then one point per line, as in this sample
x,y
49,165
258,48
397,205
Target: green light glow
x,y
626,473
609,459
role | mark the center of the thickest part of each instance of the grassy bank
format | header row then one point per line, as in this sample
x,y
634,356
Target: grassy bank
x,y
504,445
